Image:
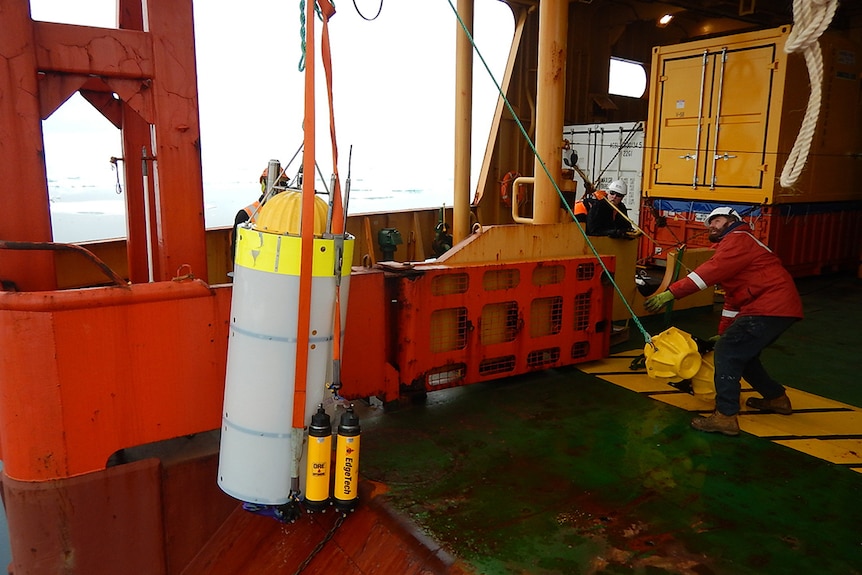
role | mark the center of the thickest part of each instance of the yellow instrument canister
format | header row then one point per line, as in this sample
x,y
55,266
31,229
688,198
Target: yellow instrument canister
x,y
319,460
347,462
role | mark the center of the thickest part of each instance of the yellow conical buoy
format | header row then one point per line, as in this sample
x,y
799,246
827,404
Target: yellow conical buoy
x,y
282,214
703,382
672,353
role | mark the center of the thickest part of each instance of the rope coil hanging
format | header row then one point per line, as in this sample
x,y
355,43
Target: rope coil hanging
x,y
811,18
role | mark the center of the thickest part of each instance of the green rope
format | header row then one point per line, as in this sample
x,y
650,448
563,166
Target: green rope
x,y
644,333
302,29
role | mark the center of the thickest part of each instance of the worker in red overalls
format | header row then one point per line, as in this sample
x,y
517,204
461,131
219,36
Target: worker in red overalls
x,y
760,303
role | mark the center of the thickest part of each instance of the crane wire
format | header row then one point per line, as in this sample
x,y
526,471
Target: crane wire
x,y
366,18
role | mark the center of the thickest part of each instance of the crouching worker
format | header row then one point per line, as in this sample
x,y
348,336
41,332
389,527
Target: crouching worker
x,y
582,206
760,303
609,216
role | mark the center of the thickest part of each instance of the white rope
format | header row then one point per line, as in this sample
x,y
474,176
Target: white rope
x,y
811,18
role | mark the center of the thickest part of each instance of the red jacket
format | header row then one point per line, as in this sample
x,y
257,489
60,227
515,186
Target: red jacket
x,y
754,280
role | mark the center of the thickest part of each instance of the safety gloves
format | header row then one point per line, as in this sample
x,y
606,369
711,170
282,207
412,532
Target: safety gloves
x,y
658,301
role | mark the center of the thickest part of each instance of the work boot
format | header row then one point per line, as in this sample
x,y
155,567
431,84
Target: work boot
x,y
717,423
778,405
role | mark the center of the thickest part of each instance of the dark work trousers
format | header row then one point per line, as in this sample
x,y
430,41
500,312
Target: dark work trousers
x,y
737,354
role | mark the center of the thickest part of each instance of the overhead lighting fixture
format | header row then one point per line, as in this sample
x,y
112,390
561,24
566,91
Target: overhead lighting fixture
x,y
664,20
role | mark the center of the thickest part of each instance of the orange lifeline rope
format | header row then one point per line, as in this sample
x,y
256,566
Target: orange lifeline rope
x,y
306,232
307,229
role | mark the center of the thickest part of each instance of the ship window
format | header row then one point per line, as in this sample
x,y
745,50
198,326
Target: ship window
x,y
627,78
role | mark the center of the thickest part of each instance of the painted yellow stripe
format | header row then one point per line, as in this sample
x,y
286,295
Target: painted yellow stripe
x,y
805,424
281,254
638,382
833,434
686,401
612,364
843,451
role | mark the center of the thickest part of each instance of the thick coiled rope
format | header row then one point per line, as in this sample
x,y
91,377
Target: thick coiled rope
x,y
811,18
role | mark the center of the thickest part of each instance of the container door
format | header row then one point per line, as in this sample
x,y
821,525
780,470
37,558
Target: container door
x,y
681,124
738,117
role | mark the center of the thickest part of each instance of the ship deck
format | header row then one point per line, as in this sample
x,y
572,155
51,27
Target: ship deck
x,y
595,469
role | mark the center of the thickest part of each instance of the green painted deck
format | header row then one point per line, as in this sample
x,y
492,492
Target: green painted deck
x,y
571,472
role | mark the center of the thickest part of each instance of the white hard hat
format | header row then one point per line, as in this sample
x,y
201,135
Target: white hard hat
x,y
723,211
618,187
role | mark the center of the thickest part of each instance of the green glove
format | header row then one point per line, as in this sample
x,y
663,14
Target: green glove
x,y
658,301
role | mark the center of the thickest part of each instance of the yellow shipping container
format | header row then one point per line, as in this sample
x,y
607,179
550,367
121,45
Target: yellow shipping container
x,y
725,112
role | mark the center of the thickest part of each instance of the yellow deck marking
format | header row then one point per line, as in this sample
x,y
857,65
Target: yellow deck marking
x,y
638,382
834,435
612,364
804,424
804,400
846,451
686,402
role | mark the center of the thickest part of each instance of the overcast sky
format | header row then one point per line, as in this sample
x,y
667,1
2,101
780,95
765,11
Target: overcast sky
x,y
394,87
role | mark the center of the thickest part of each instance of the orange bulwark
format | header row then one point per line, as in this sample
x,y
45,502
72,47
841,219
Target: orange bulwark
x,y
87,374
105,340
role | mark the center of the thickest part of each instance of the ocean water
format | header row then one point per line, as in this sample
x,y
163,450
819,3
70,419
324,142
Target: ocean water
x,y
82,212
